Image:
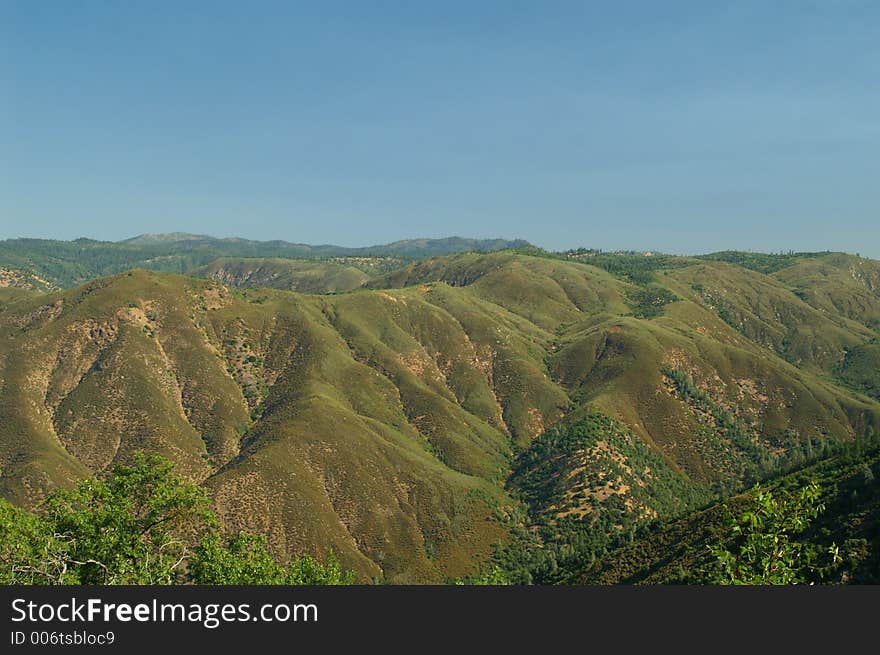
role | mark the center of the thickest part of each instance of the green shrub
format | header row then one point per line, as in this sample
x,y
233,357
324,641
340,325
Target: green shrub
x,y
143,525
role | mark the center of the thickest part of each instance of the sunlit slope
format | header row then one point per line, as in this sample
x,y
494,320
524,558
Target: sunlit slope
x,y
629,368
768,313
844,285
289,274
546,292
357,447
385,422
756,351
838,285
341,456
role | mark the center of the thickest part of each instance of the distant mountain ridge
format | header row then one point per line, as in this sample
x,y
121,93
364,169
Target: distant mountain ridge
x,y
164,237
63,264
404,247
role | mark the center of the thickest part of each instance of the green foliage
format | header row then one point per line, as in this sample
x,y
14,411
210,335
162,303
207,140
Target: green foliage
x,y
755,458
245,559
535,251
494,577
758,261
637,268
680,551
143,525
860,368
765,548
648,302
587,487
30,553
724,310
754,461
135,528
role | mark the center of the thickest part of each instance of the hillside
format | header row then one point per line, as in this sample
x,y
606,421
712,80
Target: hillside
x,y
288,274
48,264
676,552
453,409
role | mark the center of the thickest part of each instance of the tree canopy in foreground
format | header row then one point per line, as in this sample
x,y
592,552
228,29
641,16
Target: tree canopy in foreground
x,y
142,525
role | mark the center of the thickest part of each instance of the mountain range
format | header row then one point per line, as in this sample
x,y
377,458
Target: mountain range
x,y
52,264
429,407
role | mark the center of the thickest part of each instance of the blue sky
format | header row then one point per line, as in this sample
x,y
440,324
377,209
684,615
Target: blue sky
x,y
678,126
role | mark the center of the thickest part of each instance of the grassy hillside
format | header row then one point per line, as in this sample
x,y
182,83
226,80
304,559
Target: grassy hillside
x,y
47,264
451,410
839,285
289,274
759,261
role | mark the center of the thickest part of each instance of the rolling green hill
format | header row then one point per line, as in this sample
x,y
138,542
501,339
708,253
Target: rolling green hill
x,y
288,274
423,421
839,285
48,264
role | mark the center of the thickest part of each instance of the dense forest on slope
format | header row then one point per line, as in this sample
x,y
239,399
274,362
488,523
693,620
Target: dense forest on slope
x,y
426,419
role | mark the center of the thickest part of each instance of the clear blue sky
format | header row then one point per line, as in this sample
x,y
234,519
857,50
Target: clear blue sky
x,y
679,126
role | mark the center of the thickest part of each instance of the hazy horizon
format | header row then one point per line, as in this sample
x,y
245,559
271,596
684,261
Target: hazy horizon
x,y
442,237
